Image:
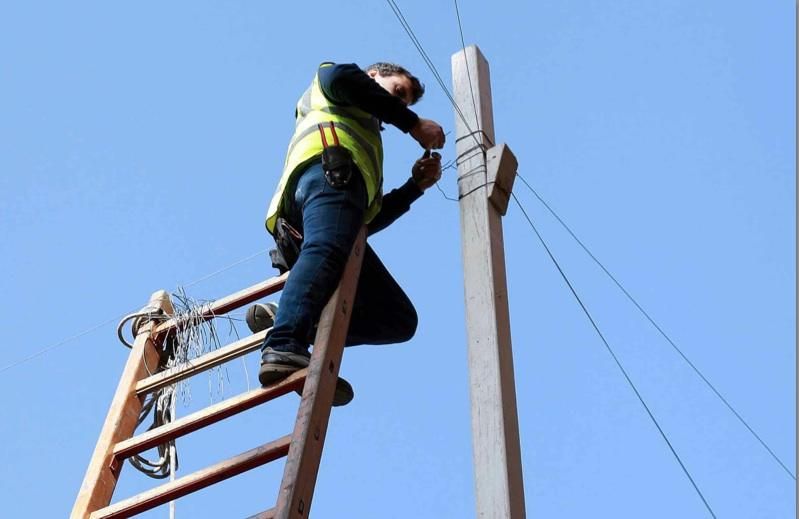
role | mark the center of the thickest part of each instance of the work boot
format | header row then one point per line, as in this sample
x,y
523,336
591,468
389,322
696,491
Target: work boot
x,y
261,316
277,365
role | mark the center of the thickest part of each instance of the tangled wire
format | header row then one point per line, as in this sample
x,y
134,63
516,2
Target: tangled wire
x,y
194,335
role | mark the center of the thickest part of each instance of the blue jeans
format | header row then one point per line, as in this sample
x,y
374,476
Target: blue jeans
x,y
329,220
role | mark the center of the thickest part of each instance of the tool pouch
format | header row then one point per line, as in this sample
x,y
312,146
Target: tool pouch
x,y
288,241
338,166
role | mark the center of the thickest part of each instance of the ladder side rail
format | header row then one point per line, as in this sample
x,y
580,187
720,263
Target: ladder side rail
x,y
100,481
302,463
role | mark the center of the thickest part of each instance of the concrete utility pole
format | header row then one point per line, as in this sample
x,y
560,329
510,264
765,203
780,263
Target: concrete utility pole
x,y
485,180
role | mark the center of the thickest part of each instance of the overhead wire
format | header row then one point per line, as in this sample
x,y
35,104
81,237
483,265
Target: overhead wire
x,y
91,329
60,343
658,328
615,357
430,65
226,268
429,62
468,72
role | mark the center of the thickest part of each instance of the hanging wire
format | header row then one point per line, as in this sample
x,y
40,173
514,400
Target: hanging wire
x,y
194,335
446,196
615,358
658,328
160,405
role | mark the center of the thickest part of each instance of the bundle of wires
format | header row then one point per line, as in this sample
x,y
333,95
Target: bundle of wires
x,y
194,335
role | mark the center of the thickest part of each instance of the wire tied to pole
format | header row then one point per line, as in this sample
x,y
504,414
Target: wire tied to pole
x,y
471,134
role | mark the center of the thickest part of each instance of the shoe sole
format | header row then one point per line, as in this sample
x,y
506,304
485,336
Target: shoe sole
x,y
260,317
272,373
343,394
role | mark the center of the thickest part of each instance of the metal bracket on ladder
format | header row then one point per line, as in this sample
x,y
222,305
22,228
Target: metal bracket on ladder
x,y
303,447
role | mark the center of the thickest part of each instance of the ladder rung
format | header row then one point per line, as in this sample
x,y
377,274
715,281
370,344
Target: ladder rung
x,y
196,481
204,417
233,301
200,364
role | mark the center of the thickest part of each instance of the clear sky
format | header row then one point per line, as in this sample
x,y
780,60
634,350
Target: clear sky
x,y
139,146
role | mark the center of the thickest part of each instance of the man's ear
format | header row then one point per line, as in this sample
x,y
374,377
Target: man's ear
x,y
372,73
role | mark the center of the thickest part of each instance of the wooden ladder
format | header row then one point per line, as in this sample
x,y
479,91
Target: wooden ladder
x,y
303,447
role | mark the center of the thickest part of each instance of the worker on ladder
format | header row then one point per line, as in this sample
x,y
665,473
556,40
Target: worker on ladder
x,y
330,187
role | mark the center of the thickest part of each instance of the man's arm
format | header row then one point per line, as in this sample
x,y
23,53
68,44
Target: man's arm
x,y
347,84
395,204
425,173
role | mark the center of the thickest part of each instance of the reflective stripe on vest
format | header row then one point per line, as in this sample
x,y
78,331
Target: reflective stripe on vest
x,y
357,130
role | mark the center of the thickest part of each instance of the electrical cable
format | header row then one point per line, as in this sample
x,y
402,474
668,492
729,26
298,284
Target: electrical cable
x,y
468,73
224,269
658,328
161,404
60,343
445,195
409,31
429,62
615,358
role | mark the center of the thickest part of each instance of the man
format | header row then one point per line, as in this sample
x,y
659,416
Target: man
x,y
331,185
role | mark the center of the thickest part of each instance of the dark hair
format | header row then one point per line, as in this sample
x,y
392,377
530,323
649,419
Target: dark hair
x,y
390,69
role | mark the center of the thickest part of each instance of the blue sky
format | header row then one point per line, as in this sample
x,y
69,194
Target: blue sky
x,y
139,147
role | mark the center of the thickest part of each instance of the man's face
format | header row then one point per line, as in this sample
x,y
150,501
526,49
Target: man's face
x,y
398,85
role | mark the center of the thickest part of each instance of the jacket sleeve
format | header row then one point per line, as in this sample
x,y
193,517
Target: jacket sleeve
x,y
347,84
395,204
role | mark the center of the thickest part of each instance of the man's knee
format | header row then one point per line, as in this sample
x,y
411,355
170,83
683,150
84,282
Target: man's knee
x,y
407,324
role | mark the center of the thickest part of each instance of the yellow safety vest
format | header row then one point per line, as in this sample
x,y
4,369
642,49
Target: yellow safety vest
x,y
357,130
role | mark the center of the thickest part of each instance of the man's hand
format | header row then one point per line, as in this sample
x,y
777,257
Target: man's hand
x,y
428,134
427,170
